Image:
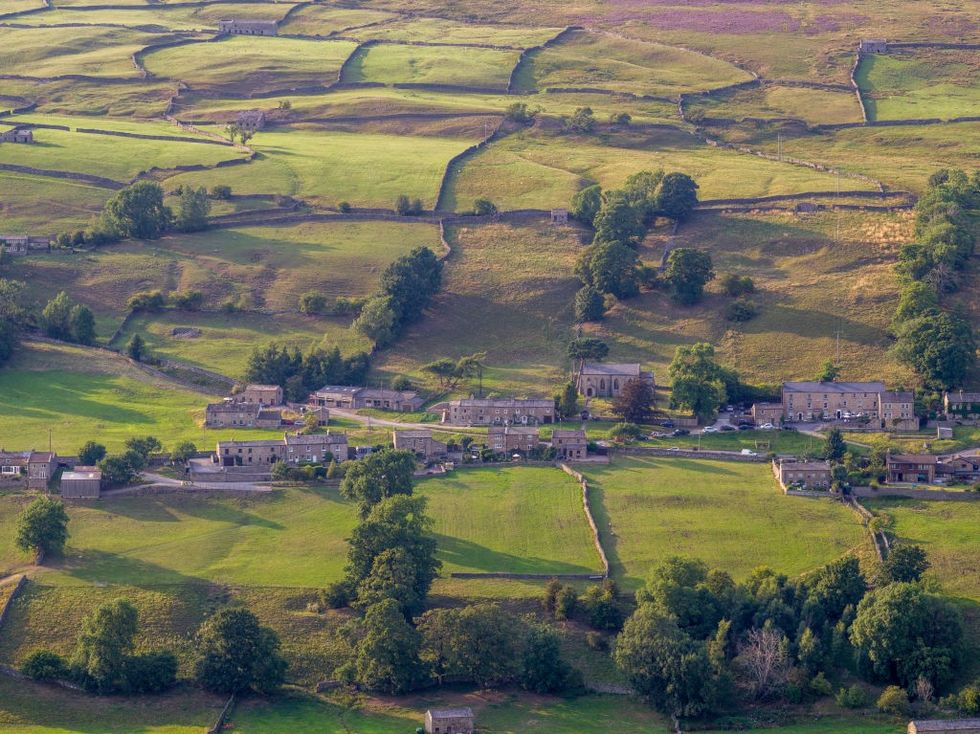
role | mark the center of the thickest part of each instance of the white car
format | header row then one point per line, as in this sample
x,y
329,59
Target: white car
x,y
748,452
766,427
710,429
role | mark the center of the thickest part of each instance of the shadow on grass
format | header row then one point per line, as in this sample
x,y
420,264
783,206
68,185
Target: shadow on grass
x,y
471,557
169,509
97,566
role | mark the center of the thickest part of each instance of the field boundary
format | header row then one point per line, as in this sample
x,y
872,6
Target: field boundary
x,y
444,184
13,595
219,725
587,506
527,52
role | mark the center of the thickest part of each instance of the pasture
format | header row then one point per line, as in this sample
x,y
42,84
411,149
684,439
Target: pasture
x,y
80,394
31,202
194,18
441,30
513,519
920,83
607,61
650,507
251,63
814,106
457,66
364,169
323,20
95,51
532,169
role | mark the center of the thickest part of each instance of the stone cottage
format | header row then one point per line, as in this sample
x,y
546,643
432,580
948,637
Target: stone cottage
x,y
449,721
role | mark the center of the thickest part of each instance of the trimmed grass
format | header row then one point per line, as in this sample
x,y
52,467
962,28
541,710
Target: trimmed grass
x,y
251,63
440,30
514,519
531,169
110,156
920,83
815,106
948,533
92,51
507,290
729,514
35,204
396,63
34,708
80,394
227,340
330,167
591,60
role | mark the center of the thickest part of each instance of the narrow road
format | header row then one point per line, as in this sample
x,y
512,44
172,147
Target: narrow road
x,y
387,422
159,480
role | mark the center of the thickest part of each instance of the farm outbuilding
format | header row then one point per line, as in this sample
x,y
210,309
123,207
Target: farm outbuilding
x,y
449,721
937,726
83,483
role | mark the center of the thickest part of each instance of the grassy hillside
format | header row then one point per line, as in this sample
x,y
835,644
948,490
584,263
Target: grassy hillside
x,y
815,106
647,508
42,205
95,51
392,63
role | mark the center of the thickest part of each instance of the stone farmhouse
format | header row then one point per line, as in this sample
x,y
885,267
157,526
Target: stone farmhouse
x,y
600,380
960,404
420,442
499,412
21,244
38,467
508,439
84,482
570,445
449,721
291,448
269,395
944,726
230,414
17,135
963,466
805,474
251,120
812,401
348,397
249,27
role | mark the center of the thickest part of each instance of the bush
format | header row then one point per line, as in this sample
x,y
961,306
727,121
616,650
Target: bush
x,y
820,686
620,118
968,699
851,698
401,383
312,303
220,192
344,207
741,311
484,208
408,207
44,665
596,641
151,672
189,301
894,701
625,432
735,285
336,596
146,301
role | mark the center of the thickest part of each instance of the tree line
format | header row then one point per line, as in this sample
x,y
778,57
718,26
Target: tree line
x,y
298,374
938,342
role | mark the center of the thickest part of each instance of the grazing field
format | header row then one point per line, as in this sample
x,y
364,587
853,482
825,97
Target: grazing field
x,y
814,106
810,282
365,169
920,83
95,51
36,708
400,64
948,533
544,170
96,97
194,18
322,20
251,63
513,519
600,61
507,290
109,156
650,507
114,124
227,339
80,394
38,203
440,30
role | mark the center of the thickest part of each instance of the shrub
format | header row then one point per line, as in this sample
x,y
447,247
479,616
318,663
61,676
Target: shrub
x,y
337,595
146,301
401,383
408,207
189,301
596,641
625,432
151,672
820,686
44,665
312,303
968,699
741,311
851,698
484,208
894,701
520,112
735,285
344,207
220,192
620,118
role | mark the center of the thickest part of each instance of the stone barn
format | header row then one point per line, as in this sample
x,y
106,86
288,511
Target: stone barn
x,y
17,135
85,482
559,216
942,726
449,721
873,46
249,27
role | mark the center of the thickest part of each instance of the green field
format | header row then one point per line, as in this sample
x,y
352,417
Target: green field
x,y
95,51
441,30
814,106
514,519
920,83
322,20
597,61
364,169
648,508
251,62
200,18
542,170
396,63
31,202
947,531
110,156
80,394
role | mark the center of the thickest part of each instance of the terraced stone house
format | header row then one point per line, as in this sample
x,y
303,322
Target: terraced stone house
x,y
349,397
571,444
961,404
315,448
420,442
499,412
249,27
508,439
601,380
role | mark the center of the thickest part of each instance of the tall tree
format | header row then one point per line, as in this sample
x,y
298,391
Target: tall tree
x,y
696,380
137,211
835,448
193,209
635,402
83,324
236,654
904,563
940,346
386,657
619,220
91,453
56,317
43,527
380,475
136,348
586,204
687,272
589,305
104,644
677,196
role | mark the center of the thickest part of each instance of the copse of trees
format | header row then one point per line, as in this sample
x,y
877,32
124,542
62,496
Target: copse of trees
x,y
299,374
42,528
15,316
697,380
236,654
136,212
940,345
406,289
688,272
68,321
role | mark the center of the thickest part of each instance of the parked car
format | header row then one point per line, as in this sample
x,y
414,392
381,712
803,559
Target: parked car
x,y
766,427
709,429
790,428
749,452
658,434
728,427
745,427
674,448
681,432
668,424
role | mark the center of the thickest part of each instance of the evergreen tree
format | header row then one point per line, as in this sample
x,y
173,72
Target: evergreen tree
x,y
836,448
193,209
83,324
56,317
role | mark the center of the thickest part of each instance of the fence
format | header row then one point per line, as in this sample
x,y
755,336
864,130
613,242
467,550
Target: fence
x,y
916,494
586,504
219,725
